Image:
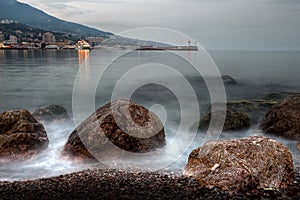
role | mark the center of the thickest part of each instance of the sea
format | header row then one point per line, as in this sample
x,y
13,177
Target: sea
x,y
174,85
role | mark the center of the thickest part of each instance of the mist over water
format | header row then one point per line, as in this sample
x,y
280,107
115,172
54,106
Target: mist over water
x,y
49,162
41,78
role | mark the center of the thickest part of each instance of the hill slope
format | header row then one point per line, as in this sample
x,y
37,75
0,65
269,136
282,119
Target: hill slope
x,y
28,34
26,14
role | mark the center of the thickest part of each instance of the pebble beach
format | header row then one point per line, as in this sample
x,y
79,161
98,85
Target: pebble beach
x,y
99,183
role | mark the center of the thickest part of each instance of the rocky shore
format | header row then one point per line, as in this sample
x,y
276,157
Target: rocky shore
x,y
256,167
130,184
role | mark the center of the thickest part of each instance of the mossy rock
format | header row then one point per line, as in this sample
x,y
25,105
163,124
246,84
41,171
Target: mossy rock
x,y
277,96
250,105
255,109
233,121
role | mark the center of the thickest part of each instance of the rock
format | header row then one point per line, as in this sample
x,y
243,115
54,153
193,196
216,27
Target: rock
x,y
101,127
51,113
255,109
233,121
21,136
235,165
249,106
284,118
275,96
228,80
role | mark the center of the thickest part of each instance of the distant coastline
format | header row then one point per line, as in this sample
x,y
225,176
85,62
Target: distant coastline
x,y
88,47
169,48
14,48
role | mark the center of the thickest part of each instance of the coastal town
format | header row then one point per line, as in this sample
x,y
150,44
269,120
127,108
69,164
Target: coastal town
x,y
17,36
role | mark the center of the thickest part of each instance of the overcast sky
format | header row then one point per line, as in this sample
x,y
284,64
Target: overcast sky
x,y
216,24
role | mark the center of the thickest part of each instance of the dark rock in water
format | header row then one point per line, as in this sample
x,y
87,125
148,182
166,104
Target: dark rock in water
x,y
137,130
276,96
284,118
235,165
255,109
233,121
228,80
51,113
249,106
21,136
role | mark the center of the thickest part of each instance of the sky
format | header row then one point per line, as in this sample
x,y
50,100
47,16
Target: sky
x,y
215,24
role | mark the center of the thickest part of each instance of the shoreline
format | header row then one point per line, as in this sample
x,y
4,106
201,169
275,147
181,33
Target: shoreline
x,y
127,184
99,183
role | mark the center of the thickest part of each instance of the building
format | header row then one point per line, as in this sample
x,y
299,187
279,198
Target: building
x,y
48,38
18,32
13,39
1,36
95,40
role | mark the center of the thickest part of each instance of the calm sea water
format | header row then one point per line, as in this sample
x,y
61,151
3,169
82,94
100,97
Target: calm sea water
x,y
36,78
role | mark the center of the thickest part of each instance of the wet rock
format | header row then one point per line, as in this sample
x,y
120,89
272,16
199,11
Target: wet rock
x,y
228,80
275,96
235,165
284,118
51,113
233,121
21,136
122,124
249,106
255,109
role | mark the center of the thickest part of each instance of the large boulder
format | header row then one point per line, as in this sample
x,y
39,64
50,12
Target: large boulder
x,y
124,124
51,113
284,118
233,121
235,165
21,136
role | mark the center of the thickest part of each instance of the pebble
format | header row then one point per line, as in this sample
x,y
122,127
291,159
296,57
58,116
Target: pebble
x,y
99,183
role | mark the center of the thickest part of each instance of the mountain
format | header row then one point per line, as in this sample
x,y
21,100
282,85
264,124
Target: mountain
x,y
123,41
26,14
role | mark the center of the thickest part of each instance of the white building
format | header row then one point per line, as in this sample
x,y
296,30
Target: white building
x,y
48,38
1,36
13,39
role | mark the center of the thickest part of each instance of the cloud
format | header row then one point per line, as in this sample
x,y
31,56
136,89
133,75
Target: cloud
x,y
70,1
236,23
